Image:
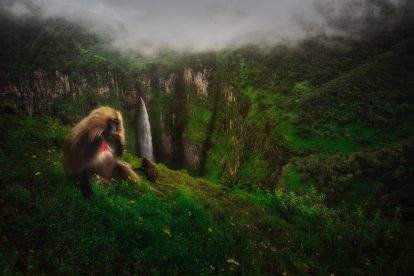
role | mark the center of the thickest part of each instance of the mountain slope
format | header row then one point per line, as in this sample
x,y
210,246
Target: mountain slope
x,y
198,226
377,95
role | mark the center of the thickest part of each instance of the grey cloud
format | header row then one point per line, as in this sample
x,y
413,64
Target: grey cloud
x,y
196,25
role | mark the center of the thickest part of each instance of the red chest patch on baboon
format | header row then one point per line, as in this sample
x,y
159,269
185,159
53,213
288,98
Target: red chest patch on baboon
x,y
104,147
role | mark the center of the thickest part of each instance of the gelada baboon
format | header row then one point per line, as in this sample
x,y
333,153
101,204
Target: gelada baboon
x,y
149,169
93,148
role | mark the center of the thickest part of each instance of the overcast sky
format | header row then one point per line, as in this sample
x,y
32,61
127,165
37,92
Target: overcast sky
x,y
191,24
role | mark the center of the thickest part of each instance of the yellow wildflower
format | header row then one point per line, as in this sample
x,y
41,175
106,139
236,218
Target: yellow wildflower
x,y
167,231
210,229
233,261
38,173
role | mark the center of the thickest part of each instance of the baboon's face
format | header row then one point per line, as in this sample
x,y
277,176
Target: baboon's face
x,y
111,132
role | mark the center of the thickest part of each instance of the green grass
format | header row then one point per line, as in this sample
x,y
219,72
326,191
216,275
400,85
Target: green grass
x,y
270,108
353,137
197,227
123,229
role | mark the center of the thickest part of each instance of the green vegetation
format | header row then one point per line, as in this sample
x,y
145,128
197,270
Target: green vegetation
x,y
197,124
197,227
217,156
306,157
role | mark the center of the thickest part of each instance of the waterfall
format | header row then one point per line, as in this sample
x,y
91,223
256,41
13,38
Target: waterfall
x,y
144,133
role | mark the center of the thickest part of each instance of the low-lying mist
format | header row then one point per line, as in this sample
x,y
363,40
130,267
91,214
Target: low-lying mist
x,y
198,25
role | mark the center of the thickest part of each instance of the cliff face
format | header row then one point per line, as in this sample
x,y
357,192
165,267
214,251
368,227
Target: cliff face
x,y
28,92
195,115
196,104
38,92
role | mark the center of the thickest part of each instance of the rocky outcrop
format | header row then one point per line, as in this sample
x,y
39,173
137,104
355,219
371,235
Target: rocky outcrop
x,y
144,84
191,157
199,79
229,94
31,91
167,85
166,140
27,92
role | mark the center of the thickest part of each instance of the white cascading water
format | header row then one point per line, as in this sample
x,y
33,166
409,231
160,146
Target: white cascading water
x,y
144,133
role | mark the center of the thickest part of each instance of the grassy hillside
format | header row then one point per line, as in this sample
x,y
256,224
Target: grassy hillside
x,y
353,134
197,227
306,157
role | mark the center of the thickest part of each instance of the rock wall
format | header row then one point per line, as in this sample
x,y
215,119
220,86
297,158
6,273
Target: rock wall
x,y
27,92
173,99
199,79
